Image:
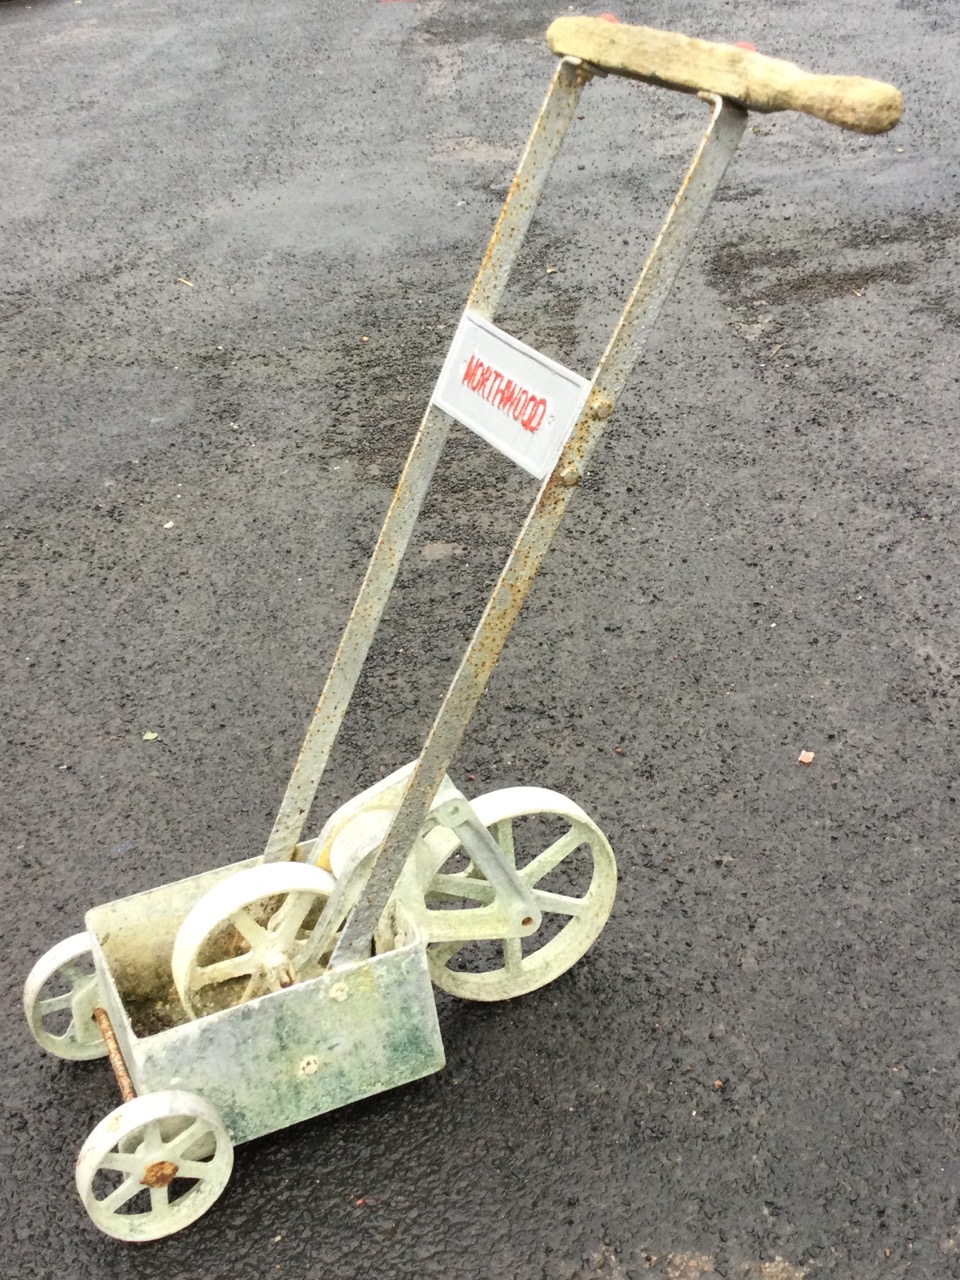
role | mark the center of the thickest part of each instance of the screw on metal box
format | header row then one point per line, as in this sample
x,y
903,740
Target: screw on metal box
x,y
250,997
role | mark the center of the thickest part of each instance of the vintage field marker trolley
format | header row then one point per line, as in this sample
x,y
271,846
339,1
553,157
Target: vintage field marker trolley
x,y
259,994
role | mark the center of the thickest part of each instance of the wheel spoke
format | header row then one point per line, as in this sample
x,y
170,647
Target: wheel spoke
x,y
255,987
551,857
185,1138
503,834
83,1028
74,975
512,955
223,970
53,1004
153,1146
560,903
460,886
198,1169
120,1162
159,1199
247,927
286,920
119,1197
443,952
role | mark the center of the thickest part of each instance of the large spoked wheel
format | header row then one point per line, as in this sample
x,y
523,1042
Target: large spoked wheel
x,y
154,1165
567,861
59,997
248,935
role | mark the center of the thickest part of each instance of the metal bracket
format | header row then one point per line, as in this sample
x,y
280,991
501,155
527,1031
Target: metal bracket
x,y
510,909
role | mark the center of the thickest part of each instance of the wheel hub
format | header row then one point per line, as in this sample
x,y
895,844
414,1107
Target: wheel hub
x,y
159,1173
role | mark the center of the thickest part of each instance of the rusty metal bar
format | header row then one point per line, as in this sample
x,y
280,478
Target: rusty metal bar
x,y
114,1056
663,264
508,235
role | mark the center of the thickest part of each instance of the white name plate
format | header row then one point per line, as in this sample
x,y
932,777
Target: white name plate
x,y
521,402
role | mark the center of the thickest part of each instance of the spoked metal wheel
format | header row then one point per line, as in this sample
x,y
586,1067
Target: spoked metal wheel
x,y
59,997
154,1165
562,855
247,935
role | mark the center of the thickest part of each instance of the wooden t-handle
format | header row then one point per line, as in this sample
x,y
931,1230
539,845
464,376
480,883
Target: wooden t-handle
x,y
742,75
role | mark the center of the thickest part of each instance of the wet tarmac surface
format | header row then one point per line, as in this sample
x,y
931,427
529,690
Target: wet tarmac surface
x,y
236,241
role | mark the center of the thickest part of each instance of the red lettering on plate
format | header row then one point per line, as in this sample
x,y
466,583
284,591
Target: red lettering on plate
x,y
505,394
536,411
505,401
470,370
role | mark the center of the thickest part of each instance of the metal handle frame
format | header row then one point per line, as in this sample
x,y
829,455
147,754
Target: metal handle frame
x,y
670,249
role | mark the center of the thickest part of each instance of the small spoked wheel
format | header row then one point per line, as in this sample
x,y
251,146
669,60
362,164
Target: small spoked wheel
x,y
562,855
154,1165
59,997
248,935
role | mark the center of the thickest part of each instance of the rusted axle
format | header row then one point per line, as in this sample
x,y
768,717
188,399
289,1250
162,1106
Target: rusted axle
x,y
114,1056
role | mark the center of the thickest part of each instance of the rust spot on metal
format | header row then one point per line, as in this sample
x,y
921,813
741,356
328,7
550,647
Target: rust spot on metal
x,y
159,1174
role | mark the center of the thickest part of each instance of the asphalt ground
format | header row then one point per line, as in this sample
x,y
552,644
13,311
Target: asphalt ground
x,y
754,1072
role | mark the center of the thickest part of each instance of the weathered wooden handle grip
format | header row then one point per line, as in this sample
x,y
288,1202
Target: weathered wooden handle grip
x,y
742,75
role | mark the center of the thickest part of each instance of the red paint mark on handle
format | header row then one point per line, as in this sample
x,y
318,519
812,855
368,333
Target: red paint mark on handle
x,y
608,17
745,44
